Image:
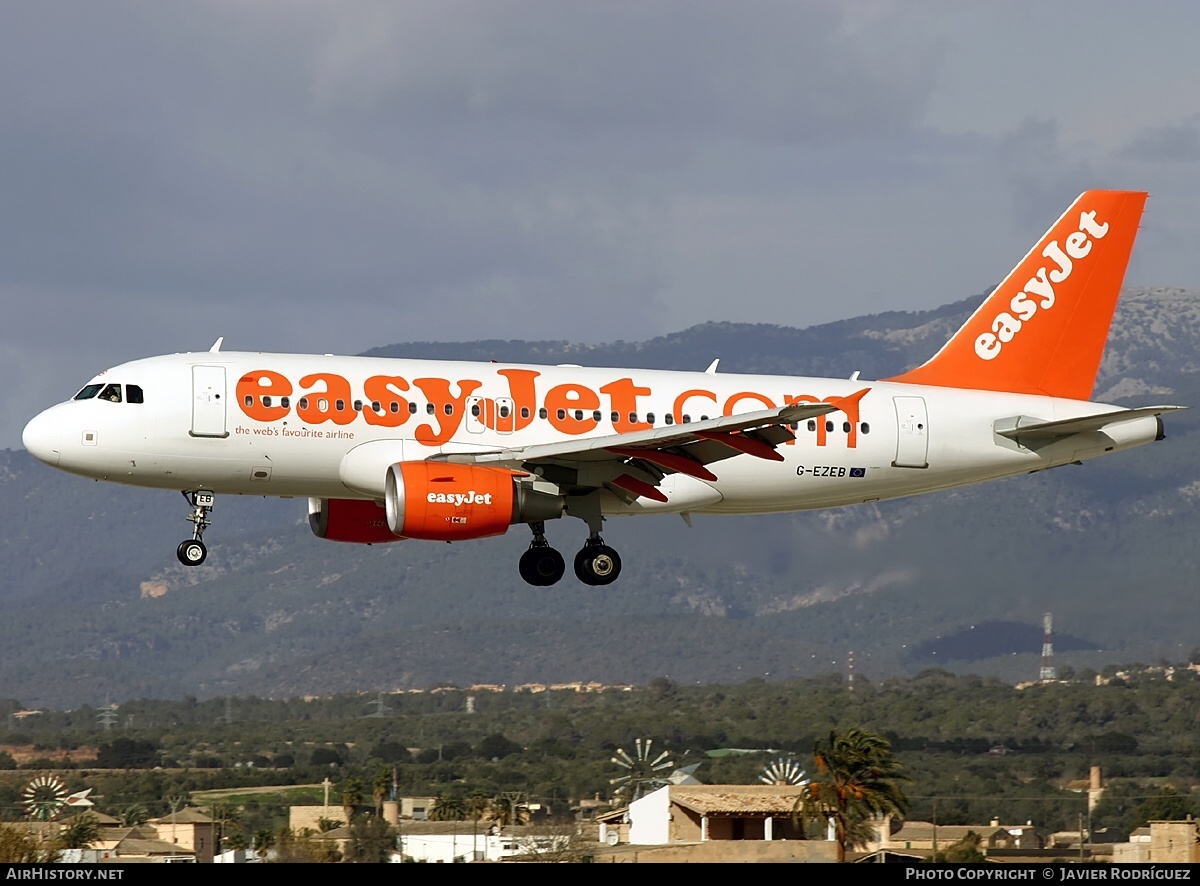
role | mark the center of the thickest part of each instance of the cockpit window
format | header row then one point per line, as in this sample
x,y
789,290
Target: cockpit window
x,y
89,392
133,394
112,393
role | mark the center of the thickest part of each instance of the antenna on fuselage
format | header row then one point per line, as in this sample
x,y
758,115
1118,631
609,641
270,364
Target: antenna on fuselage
x,y
216,348
712,367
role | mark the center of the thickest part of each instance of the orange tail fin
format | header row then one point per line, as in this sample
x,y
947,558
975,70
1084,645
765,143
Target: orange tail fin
x,y
1043,329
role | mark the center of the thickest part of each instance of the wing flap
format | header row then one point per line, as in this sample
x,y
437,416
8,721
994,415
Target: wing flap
x,y
632,465
769,423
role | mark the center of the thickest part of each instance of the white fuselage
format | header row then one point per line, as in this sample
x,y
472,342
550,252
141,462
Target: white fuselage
x,y
194,429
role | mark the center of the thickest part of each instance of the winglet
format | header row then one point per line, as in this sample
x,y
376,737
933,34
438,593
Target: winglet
x,y
1043,329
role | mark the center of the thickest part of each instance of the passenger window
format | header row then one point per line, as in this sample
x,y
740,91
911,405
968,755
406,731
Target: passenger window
x,y
504,412
302,403
340,405
524,412
578,415
829,427
448,409
597,415
395,407
542,413
687,419
669,419
845,427
866,428
650,418
562,413
812,424
475,410
112,393
358,405
133,394
412,408
430,409
615,417
266,399
285,402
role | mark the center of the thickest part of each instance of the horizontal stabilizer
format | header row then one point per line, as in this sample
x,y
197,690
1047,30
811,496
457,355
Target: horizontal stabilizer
x,y
1047,431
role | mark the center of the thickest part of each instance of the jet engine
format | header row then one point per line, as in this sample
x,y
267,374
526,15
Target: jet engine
x,y
347,519
443,501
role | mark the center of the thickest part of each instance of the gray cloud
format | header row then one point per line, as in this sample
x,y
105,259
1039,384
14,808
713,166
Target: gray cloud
x,y
1173,143
332,177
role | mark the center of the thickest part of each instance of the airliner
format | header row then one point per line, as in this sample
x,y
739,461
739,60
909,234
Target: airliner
x,y
389,449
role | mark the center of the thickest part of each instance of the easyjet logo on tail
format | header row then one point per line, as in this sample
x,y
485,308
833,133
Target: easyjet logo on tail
x,y
1038,294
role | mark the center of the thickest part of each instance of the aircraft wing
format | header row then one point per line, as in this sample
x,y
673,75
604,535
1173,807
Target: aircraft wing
x,y
1041,432
632,464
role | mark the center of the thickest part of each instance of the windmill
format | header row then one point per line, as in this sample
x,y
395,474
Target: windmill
x,y
783,771
642,774
45,797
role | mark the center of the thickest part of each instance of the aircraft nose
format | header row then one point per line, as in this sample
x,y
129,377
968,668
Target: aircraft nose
x,y
42,437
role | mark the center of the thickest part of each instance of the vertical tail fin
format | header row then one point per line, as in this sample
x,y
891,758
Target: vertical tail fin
x,y
1043,329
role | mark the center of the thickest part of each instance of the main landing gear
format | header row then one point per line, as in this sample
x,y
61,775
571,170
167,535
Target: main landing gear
x,y
595,564
541,565
191,551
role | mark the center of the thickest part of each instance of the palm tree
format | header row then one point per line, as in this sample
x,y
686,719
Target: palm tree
x,y
448,809
857,779
509,808
352,795
80,832
381,787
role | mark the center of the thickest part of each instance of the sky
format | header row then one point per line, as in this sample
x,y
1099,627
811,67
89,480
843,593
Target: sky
x,y
335,176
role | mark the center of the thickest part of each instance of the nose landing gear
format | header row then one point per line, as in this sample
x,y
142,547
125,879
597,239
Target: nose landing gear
x,y
192,551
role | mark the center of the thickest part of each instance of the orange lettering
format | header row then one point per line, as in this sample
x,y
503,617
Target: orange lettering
x,y
324,406
382,389
524,396
567,398
687,395
624,393
848,405
437,391
747,395
253,386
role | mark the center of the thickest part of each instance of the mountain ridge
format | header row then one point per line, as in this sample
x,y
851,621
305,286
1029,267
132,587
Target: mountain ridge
x,y
97,607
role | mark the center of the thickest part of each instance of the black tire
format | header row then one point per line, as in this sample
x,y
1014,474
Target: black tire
x,y
597,565
191,552
542,566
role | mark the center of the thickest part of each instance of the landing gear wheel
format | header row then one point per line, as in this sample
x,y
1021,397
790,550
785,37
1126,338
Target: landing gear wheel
x,y
542,566
597,564
191,552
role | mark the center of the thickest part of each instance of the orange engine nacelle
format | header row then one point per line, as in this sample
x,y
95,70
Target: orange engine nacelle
x,y
450,502
347,519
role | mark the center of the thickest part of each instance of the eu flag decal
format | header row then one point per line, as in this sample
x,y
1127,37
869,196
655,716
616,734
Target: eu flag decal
x,y
858,472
